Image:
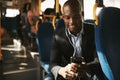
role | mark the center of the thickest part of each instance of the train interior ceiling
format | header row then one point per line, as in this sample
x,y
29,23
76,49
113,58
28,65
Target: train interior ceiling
x,y
19,50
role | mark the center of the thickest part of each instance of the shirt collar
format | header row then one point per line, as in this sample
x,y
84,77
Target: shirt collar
x,y
78,34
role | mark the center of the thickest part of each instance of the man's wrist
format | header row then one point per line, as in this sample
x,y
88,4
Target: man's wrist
x,y
60,71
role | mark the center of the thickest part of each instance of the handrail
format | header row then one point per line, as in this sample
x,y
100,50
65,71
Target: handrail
x,y
95,17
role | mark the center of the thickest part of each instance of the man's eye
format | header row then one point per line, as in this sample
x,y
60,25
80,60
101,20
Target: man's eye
x,y
67,17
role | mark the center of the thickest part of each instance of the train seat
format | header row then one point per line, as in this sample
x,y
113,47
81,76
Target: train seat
x,y
43,39
107,41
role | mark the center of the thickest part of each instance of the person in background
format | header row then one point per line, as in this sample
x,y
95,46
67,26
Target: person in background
x,y
25,24
32,18
73,53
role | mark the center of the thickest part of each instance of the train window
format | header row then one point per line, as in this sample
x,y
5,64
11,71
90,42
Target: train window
x,y
50,4
12,12
88,7
47,4
114,3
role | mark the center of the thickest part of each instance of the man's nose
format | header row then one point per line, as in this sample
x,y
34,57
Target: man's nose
x,y
71,20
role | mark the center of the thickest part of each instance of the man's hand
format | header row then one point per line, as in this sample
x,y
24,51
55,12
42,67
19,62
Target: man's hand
x,y
69,71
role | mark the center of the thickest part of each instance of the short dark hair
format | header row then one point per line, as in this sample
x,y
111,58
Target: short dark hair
x,y
74,5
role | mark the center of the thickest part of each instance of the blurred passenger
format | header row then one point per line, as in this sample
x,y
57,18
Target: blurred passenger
x,y
25,24
32,20
73,53
26,8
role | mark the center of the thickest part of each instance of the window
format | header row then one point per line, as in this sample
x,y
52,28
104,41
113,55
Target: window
x,y
88,7
12,12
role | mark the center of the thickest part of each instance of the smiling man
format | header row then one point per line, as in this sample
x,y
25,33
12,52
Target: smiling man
x,y
76,40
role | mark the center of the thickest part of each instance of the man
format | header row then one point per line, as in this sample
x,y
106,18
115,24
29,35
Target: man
x,y
76,39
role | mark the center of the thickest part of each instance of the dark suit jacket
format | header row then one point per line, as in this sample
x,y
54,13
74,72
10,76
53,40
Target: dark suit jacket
x,y
62,49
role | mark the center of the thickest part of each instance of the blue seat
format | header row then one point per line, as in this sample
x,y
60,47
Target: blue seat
x,y
107,39
60,23
43,39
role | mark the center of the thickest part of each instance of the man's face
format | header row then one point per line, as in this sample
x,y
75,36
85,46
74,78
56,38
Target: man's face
x,y
72,20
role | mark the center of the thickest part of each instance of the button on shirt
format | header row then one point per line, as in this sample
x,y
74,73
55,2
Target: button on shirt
x,y
76,41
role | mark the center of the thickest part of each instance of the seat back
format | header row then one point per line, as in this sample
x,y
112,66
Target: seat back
x,y
44,37
107,39
60,23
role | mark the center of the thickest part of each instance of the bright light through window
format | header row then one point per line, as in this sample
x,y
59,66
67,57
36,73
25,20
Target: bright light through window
x,y
12,12
50,4
88,7
47,4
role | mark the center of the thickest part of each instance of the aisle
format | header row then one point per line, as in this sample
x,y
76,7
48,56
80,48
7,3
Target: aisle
x,y
16,64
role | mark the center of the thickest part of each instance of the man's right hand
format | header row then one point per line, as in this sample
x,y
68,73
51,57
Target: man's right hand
x,y
69,71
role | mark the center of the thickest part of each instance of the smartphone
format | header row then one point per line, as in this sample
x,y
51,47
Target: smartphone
x,y
75,59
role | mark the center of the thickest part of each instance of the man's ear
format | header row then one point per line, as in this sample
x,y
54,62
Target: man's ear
x,y
82,14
